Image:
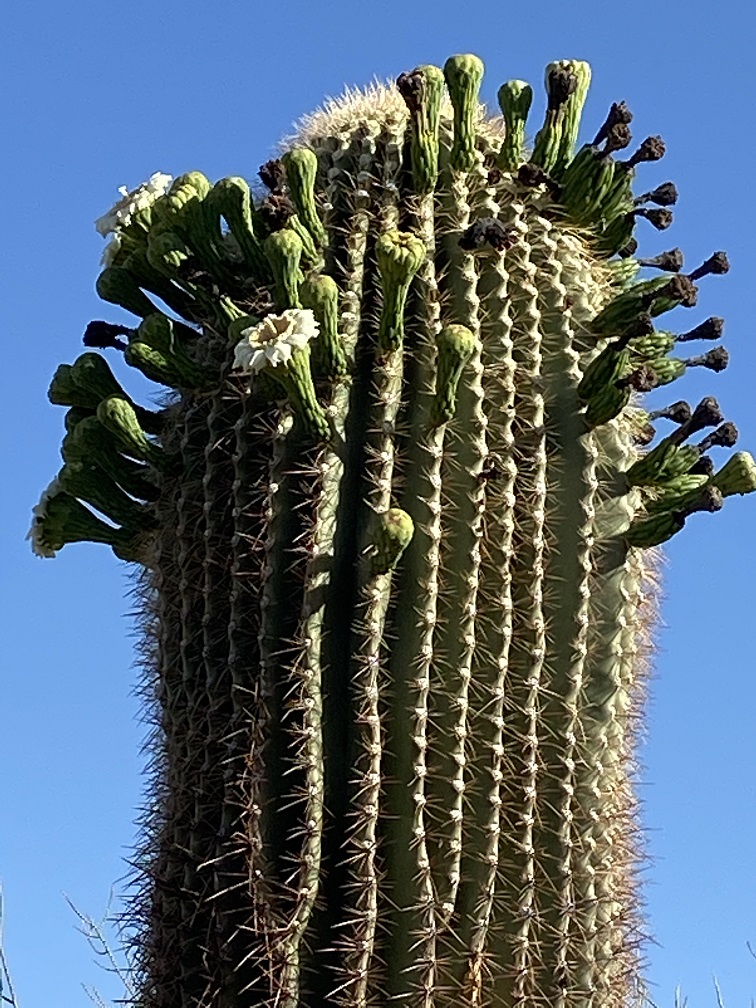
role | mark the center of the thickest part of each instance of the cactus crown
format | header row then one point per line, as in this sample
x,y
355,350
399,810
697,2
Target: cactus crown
x,y
397,524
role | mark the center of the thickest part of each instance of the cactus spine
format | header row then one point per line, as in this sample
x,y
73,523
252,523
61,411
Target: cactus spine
x,y
397,529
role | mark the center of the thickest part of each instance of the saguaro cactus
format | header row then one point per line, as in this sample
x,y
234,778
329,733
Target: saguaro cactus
x,y
397,520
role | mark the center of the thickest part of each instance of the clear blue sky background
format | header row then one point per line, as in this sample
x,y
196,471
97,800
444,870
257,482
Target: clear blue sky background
x,y
97,94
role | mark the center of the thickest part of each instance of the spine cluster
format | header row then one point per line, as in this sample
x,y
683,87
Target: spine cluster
x,y
397,523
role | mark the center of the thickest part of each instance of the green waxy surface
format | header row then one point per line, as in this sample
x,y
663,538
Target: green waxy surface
x,y
321,294
515,98
423,91
464,75
284,251
301,166
399,256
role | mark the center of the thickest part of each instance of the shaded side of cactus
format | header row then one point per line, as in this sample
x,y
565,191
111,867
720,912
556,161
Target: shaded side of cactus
x,y
398,535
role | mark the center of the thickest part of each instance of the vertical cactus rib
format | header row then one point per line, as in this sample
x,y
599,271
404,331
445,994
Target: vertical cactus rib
x,y
528,651
412,625
283,523
317,580
158,958
244,784
612,583
494,634
465,453
216,703
348,216
622,575
190,749
363,839
308,675
386,401
618,919
572,491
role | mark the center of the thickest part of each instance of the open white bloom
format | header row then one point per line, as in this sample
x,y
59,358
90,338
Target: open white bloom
x,y
272,341
40,547
131,202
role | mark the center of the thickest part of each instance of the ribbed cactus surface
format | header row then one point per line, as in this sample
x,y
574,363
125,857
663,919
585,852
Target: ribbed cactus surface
x,y
397,519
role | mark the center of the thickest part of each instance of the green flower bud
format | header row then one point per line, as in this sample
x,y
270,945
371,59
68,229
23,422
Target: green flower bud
x,y
157,332
311,258
667,369
166,252
84,383
665,462
606,384
153,364
284,251
321,294
75,415
423,90
623,271
90,443
567,84
183,212
60,519
676,493
90,483
455,346
737,475
515,98
393,533
301,166
651,296
655,345
182,301
117,415
463,78
399,255
607,368
185,190
654,531
231,199
118,286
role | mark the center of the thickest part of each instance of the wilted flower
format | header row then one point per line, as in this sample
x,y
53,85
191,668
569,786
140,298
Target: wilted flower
x,y
40,546
272,341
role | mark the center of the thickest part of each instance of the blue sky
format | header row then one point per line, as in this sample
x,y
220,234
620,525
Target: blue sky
x,y
97,95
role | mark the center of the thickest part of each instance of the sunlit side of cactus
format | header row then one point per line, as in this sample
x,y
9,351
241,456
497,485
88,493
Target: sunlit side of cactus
x,y
398,527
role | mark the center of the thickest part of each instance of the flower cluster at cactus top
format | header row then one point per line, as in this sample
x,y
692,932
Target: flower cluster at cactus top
x,y
40,546
273,341
131,202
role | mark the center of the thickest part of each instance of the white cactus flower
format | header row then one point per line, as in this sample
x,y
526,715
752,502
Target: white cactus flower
x,y
40,546
131,202
272,341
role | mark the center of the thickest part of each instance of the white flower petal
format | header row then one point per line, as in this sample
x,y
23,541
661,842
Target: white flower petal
x,y
111,250
272,341
40,547
140,198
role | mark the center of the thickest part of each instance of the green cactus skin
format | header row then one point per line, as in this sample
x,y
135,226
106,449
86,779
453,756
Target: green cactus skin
x,y
515,98
399,557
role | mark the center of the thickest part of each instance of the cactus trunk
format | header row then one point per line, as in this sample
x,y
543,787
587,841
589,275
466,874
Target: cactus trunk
x,y
399,549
